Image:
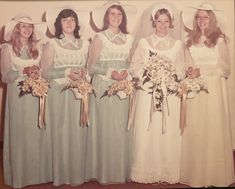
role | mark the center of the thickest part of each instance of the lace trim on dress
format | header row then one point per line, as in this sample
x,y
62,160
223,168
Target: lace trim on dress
x,y
112,36
67,57
18,63
113,51
173,50
155,177
160,42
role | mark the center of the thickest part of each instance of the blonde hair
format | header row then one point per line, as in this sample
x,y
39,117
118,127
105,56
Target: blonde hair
x,y
17,44
212,33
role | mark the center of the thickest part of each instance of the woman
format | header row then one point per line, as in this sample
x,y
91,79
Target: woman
x,y
157,140
207,155
109,142
25,145
63,60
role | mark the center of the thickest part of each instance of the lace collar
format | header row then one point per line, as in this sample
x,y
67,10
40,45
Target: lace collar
x,y
160,42
69,42
112,36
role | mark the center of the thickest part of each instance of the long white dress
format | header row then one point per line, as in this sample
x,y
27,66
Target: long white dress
x,y
156,156
207,155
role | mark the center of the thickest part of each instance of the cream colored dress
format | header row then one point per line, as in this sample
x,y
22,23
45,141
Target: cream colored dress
x,y
207,156
156,156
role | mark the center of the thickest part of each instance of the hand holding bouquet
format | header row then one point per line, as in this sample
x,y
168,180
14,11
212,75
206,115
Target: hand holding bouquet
x,y
162,73
81,88
192,84
124,85
189,87
37,86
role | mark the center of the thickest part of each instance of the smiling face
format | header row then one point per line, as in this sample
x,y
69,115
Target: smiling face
x,y
114,18
25,30
68,25
162,24
202,20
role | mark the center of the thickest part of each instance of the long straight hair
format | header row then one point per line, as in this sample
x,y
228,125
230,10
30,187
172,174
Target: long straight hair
x,y
123,25
212,33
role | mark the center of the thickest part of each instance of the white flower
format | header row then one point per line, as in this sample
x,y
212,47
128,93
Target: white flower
x,y
161,72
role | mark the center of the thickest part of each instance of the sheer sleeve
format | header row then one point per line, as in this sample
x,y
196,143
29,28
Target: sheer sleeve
x,y
8,75
224,58
93,57
182,61
137,61
47,61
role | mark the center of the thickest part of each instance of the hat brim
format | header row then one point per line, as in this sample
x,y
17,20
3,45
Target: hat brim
x,y
52,13
39,29
188,14
99,12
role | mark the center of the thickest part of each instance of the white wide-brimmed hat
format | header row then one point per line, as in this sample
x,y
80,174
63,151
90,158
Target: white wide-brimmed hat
x,y
39,27
159,6
52,13
99,12
188,14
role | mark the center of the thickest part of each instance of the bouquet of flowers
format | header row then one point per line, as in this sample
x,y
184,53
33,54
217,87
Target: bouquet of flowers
x,y
193,83
122,88
37,86
161,72
189,87
81,88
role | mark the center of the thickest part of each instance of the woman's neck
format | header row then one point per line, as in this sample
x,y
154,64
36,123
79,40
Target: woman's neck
x,y
115,30
162,35
69,36
24,41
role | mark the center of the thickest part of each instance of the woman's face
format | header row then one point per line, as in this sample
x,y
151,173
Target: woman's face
x,y
162,25
68,25
25,30
114,18
202,19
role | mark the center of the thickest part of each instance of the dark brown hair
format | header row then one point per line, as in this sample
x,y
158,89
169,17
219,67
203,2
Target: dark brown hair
x,y
58,26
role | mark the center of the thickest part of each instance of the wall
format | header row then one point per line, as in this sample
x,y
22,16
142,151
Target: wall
x,y
37,8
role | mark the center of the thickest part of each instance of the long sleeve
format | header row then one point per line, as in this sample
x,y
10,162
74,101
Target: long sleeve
x,y
137,61
8,75
93,57
224,58
182,61
47,62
